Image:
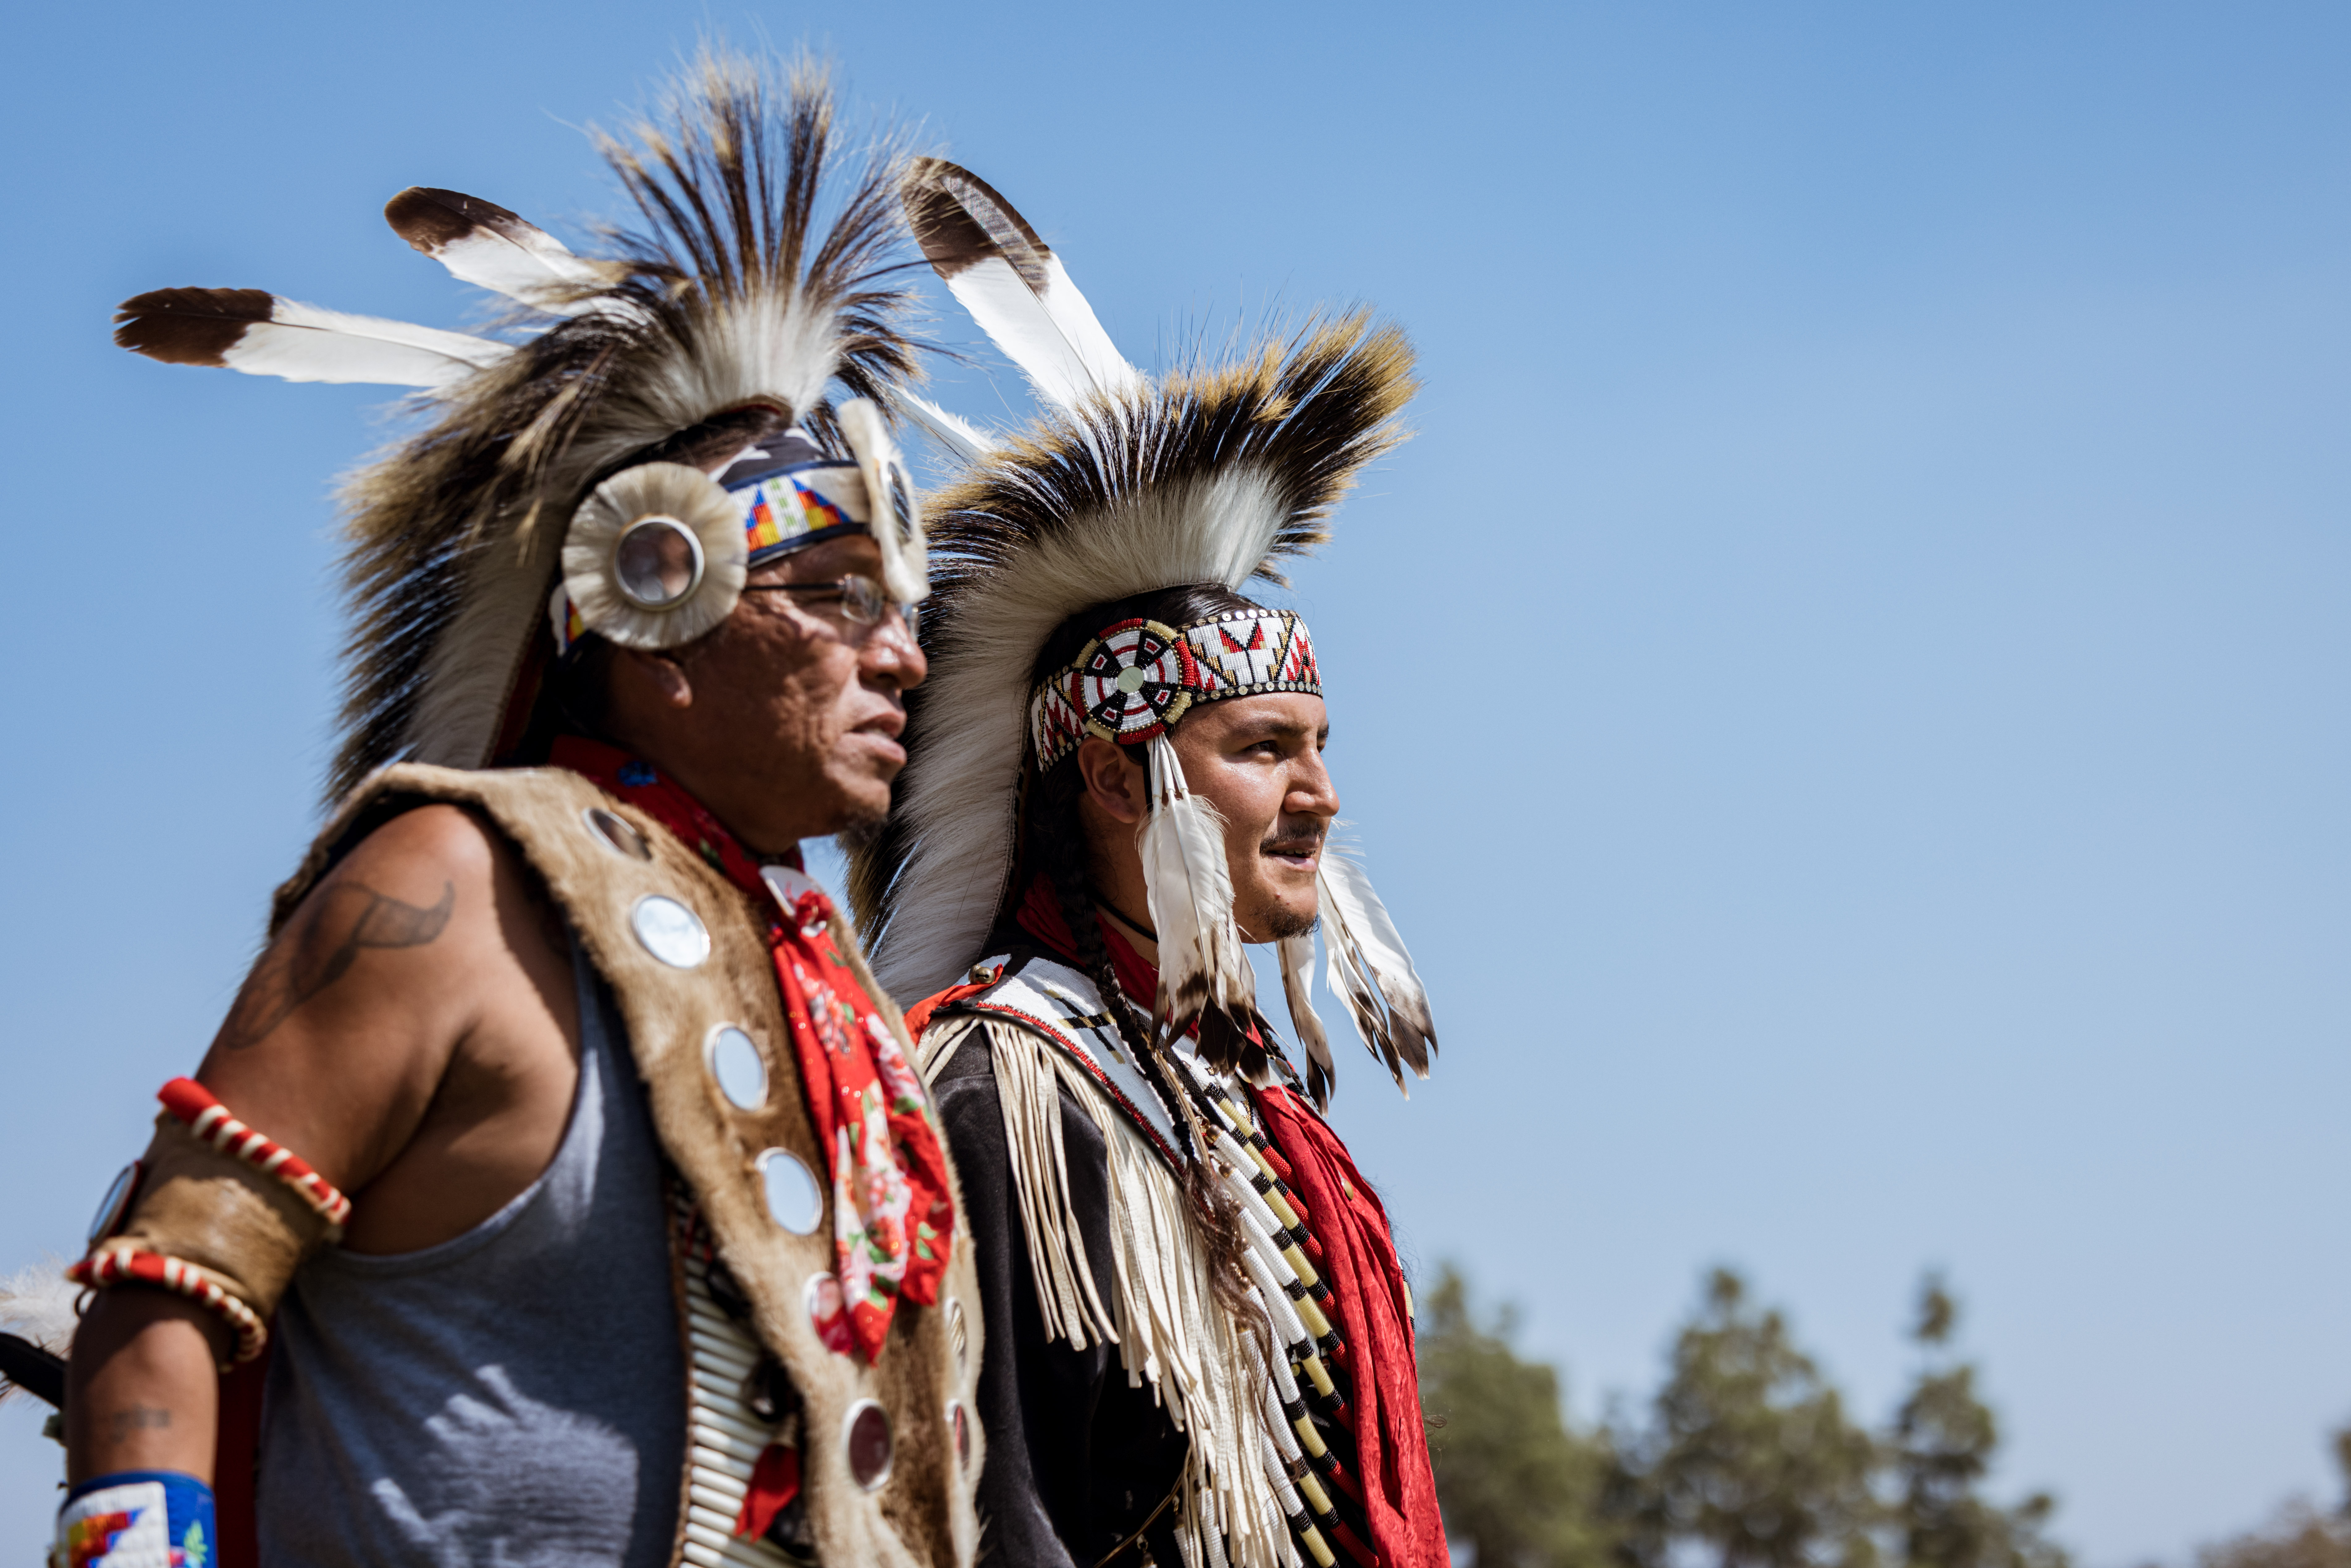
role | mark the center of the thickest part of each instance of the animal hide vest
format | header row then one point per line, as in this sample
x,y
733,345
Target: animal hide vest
x,y
918,1512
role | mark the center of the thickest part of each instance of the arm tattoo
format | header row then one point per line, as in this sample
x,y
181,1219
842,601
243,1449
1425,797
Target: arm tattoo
x,y
321,948
120,1423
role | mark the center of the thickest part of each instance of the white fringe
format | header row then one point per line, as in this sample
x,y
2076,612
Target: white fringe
x,y
1170,1331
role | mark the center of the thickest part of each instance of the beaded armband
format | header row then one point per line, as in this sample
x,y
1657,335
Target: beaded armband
x,y
215,1212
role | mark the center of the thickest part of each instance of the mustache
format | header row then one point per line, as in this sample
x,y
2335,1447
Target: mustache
x,y
1295,841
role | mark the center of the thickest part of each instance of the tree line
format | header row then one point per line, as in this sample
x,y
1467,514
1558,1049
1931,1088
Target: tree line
x,y
1747,1457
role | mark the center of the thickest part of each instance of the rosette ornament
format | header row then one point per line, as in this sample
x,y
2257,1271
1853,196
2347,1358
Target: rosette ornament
x,y
655,555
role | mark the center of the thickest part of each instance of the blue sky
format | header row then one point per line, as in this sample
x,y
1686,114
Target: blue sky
x,y
1845,694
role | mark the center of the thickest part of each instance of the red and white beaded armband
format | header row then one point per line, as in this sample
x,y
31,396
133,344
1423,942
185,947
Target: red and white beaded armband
x,y
209,1120
131,1260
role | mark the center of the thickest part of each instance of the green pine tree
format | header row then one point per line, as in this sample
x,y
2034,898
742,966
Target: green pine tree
x,y
1749,1457
1515,1478
1941,1447
2299,1537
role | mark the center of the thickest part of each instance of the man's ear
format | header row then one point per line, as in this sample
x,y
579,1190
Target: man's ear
x,y
1117,786
655,674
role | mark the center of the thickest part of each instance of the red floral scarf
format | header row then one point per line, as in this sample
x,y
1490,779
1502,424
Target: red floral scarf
x,y
892,1221
1355,1254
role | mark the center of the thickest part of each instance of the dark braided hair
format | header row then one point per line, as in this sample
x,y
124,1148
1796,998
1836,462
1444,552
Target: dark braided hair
x,y
1053,845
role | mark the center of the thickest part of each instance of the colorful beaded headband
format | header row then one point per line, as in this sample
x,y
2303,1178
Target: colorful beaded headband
x,y
1137,678
658,552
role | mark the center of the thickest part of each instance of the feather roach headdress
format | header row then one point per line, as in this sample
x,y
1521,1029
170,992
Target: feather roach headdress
x,y
1125,485
652,423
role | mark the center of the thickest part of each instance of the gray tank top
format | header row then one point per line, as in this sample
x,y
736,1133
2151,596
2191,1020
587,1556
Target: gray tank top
x,y
514,1397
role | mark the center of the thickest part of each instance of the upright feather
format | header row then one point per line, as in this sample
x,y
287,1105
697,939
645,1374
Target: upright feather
x,y
1370,971
482,243
254,331
1014,286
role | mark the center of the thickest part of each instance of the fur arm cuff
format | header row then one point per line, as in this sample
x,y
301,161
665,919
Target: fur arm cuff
x,y
223,1215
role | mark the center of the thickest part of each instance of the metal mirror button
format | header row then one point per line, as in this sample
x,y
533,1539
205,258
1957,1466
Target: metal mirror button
x,y
619,833
733,1063
866,1436
657,563
959,1336
794,1199
962,1429
670,931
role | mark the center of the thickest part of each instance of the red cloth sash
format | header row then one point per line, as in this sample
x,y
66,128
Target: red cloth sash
x,y
1357,1257
894,1222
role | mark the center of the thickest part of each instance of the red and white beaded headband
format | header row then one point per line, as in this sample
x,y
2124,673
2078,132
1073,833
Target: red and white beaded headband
x,y
1137,678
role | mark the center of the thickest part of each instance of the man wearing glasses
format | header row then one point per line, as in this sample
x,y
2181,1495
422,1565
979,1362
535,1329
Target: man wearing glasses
x,y
651,1246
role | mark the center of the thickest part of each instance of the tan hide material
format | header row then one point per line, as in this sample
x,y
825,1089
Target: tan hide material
x,y
922,1515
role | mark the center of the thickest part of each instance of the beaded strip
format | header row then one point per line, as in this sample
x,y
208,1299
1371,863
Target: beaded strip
x,y
127,1264
209,1120
725,1436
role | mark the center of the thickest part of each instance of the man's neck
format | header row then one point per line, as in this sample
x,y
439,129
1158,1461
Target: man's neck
x,y
1147,947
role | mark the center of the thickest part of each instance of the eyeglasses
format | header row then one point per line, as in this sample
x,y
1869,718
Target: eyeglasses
x,y
862,600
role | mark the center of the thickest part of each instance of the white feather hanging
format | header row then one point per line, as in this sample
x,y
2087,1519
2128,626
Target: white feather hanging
x,y
905,555
482,243
254,331
1014,286
1370,970
1297,955
1189,887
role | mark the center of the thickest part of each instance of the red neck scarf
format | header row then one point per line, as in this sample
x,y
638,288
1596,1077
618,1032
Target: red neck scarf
x,y
892,1221
1355,1254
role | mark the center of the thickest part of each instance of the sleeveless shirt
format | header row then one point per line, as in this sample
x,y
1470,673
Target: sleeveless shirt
x,y
514,1395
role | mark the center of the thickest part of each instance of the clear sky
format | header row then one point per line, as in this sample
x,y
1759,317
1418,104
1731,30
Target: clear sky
x,y
1844,694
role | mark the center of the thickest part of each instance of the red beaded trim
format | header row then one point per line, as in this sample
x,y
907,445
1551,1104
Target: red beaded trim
x,y
209,1120
127,1264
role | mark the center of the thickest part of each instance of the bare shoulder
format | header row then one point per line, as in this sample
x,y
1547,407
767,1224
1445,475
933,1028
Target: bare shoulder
x,y
351,1018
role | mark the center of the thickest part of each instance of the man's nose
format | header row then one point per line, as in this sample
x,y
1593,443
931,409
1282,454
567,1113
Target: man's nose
x,y
891,653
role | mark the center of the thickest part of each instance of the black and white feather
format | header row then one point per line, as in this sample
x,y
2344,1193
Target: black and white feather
x,y
758,273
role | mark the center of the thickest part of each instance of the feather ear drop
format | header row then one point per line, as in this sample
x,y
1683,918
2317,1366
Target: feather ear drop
x,y
1190,890
1370,971
655,557
898,523
1297,954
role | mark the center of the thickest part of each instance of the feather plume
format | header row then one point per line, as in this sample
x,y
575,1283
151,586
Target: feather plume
x,y
482,243
1189,884
964,441
1213,476
1370,970
37,1310
1297,955
255,331
1014,286
756,275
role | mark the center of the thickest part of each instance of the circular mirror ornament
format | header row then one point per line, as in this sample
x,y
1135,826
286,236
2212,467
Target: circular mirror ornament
x,y
655,555
795,1201
109,1218
736,1067
619,833
657,563
959,1336
961,1427
670,931
865,1436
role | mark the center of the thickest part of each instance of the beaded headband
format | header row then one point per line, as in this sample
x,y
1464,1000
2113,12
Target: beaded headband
x,y
1137,678
656,555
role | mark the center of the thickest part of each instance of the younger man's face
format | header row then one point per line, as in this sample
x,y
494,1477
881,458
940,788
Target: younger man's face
x,y
1258,760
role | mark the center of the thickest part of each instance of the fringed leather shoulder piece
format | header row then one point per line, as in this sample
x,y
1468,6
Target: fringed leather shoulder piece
x,y
1212,474
610,866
